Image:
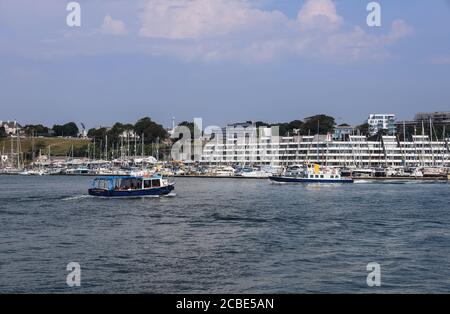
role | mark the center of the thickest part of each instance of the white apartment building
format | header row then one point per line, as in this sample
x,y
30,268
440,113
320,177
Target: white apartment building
x,y
261,148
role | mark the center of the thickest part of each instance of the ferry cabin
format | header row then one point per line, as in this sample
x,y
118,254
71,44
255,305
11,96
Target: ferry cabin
x,y
126,183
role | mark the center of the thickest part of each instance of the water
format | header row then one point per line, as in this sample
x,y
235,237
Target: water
x,y
224,236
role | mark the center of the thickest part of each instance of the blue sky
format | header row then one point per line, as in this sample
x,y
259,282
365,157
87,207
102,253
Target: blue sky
x,y
222,60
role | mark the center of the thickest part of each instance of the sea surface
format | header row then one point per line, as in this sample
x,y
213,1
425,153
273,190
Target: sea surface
x,y
225,236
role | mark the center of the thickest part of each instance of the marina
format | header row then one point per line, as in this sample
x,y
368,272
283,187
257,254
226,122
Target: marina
x,y
258,158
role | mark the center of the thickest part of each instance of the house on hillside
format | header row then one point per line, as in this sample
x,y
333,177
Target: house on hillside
x,y
11,127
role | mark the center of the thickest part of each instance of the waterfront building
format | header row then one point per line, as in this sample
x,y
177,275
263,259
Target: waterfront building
x,y
378,122
261,147
440,117
424,120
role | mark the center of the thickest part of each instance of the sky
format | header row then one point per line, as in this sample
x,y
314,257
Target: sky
x,y
221,60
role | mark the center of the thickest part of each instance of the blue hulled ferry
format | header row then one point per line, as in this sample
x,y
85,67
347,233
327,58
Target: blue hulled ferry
x,y
131,186
312,174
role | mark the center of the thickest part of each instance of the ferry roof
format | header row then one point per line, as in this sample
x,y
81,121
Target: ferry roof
x,y
127,177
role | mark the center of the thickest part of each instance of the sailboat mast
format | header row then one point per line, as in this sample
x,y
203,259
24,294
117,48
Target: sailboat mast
x,y
404,131
318,126
142,148
135,145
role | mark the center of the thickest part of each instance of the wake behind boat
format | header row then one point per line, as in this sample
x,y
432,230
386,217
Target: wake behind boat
x,y
131,186
312,174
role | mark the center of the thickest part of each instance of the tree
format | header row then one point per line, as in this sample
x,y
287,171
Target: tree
x,y
151,130
68,129
71,129
117,130
284,128
261,123
363,128
97,134
2,132
294,125
323,122
37,129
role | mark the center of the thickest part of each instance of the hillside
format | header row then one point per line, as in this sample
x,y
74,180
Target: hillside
x,y
58,146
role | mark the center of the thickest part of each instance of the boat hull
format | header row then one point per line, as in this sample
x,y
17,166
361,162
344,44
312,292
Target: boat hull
x,y
308,180
132,193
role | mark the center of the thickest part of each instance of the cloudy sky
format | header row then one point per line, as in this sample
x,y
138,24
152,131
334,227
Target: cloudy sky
x,y
222,60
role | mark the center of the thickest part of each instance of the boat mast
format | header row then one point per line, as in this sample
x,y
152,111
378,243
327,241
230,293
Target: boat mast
x,y
135,144
142,146
318,126
431,142
128,145
404,131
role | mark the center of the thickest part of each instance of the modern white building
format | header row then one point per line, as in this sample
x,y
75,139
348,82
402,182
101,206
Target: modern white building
x,y
261,147
378,122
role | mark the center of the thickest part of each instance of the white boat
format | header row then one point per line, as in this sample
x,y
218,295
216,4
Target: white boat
x,y
78,171
249,172
313,174
223,171
362,172
434,171
255,174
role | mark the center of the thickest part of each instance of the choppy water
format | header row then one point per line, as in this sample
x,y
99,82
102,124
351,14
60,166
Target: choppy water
x,y
225,235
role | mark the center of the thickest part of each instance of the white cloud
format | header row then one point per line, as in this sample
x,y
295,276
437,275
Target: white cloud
x,y
214,30
399,30
194,19
440,60
319,14
112,26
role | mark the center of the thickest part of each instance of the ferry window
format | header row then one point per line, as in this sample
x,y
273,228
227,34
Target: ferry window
x,y
317,176
125,184
102,184
133,184
332,177
155,183
147,184
321,176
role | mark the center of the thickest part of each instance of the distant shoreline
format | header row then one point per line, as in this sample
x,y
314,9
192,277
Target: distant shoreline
x,y
437,178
